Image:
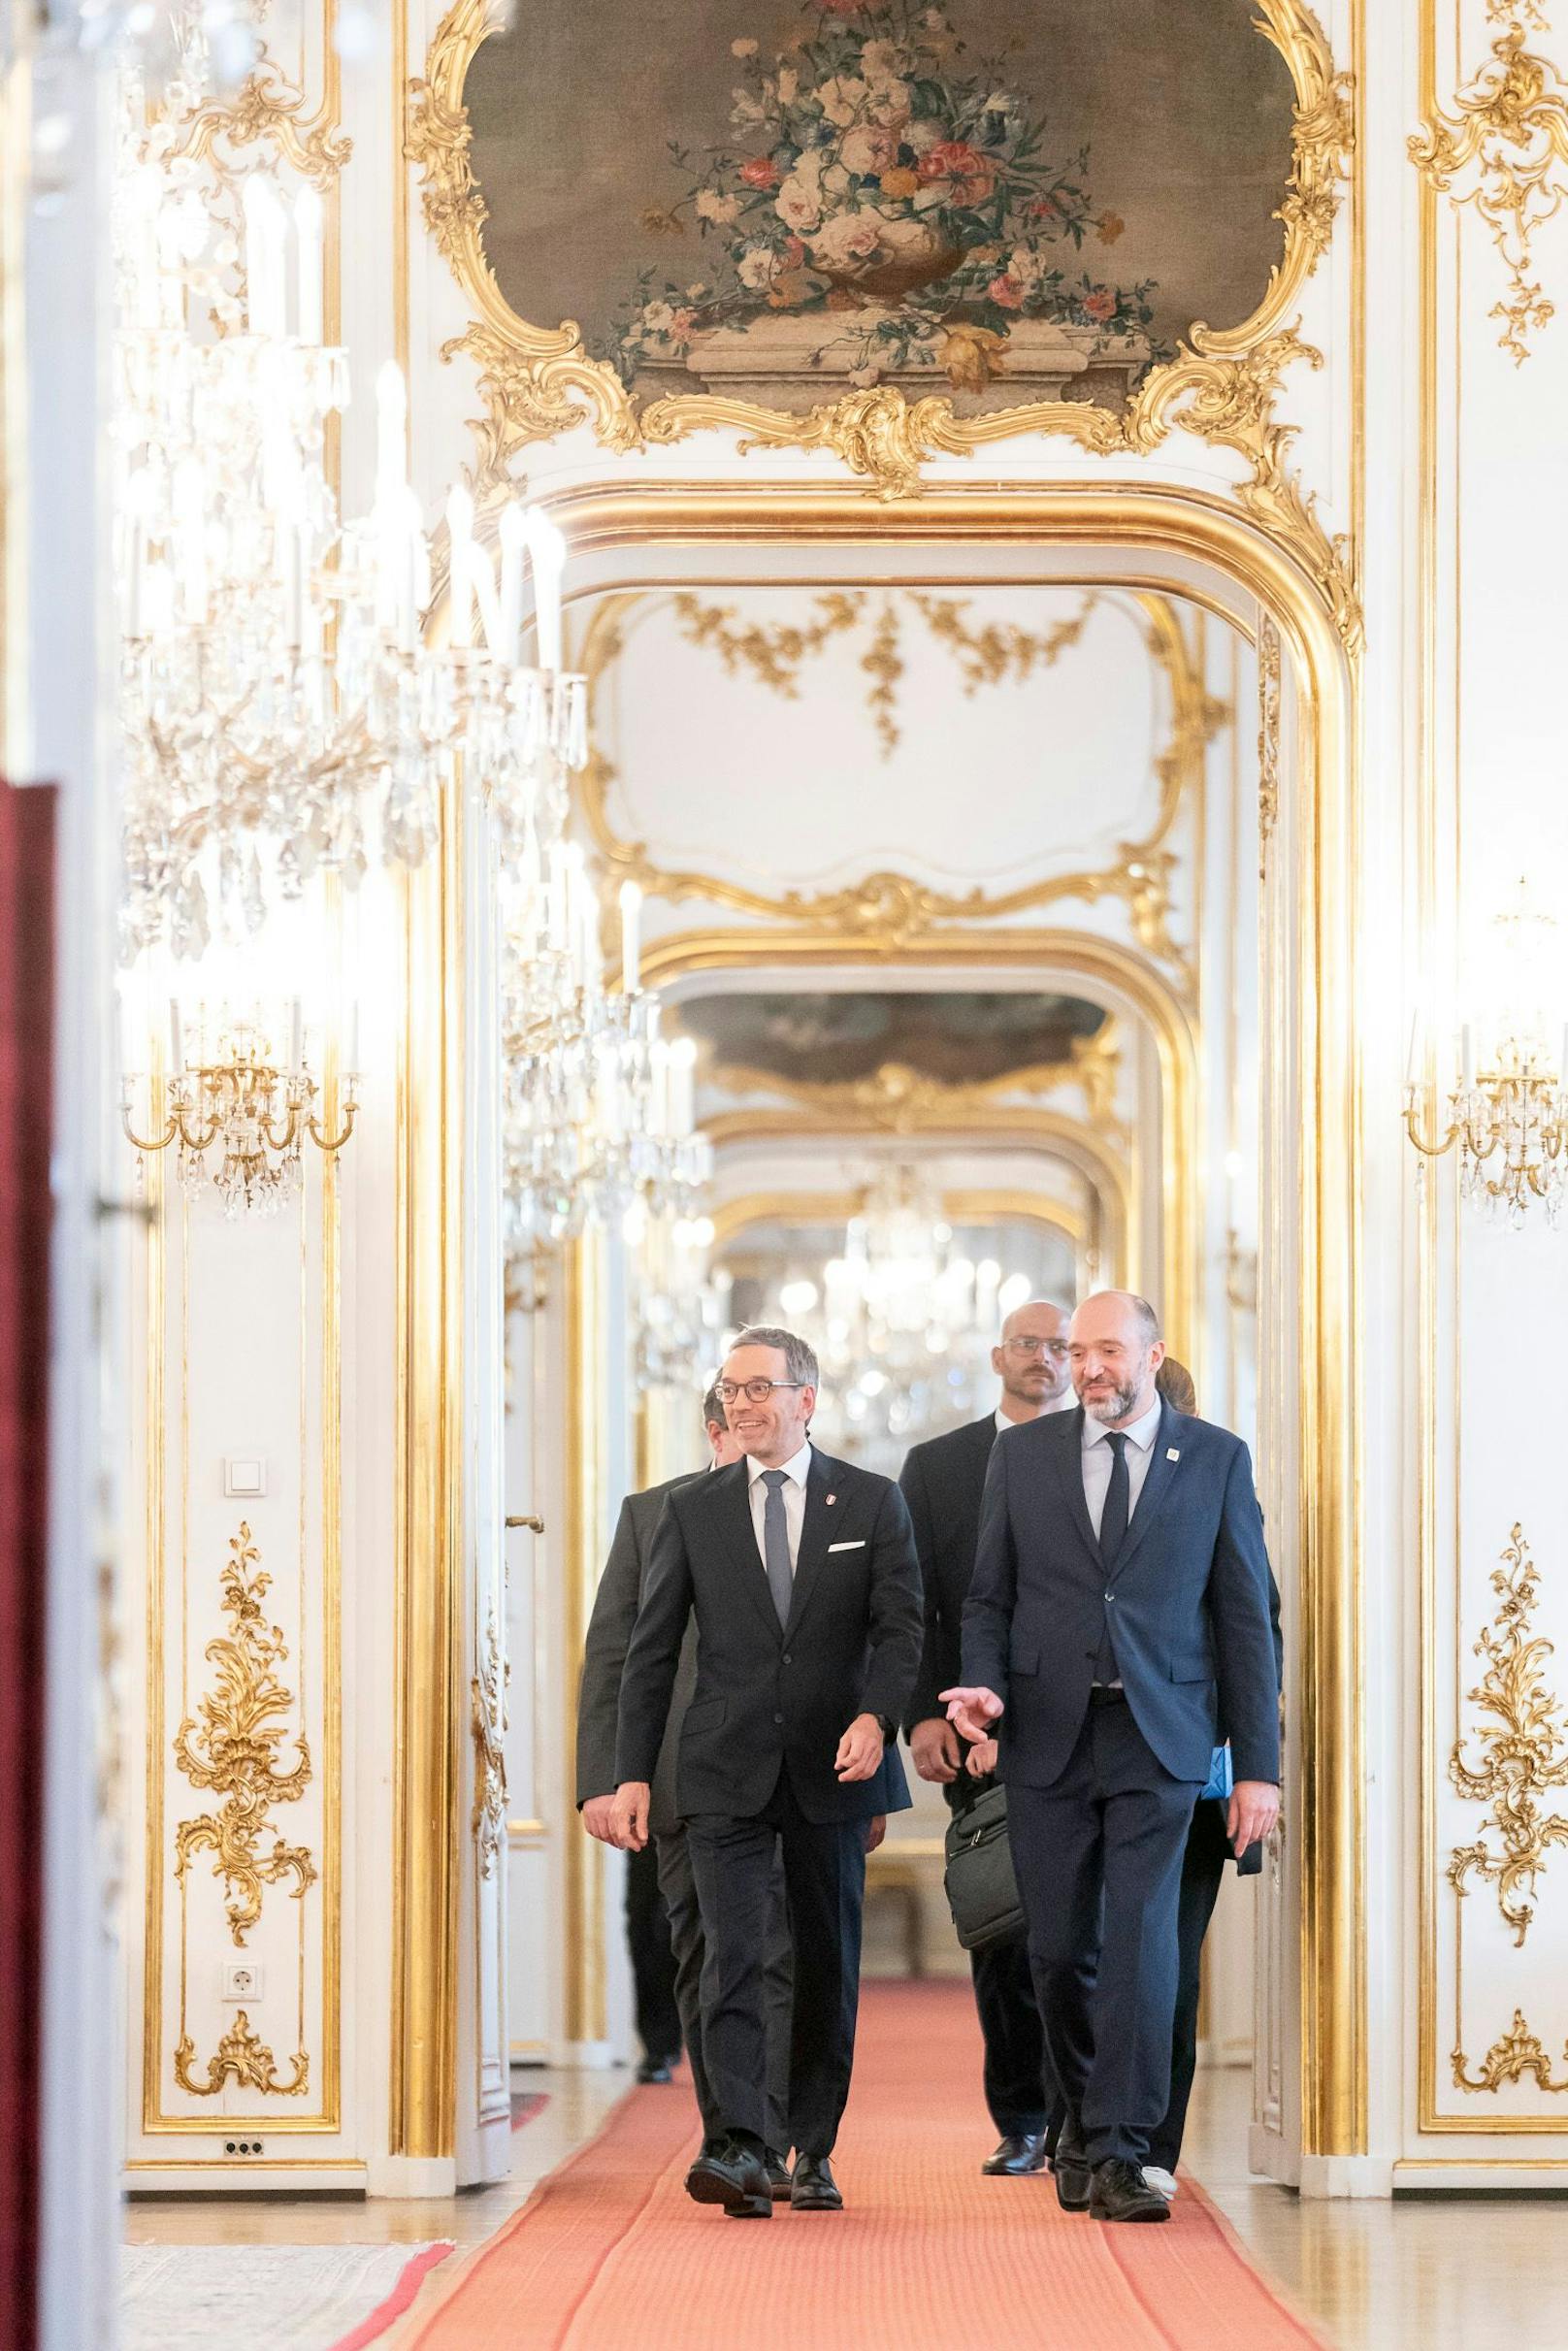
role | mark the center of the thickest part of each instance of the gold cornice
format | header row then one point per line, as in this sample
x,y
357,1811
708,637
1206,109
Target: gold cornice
x,y
898,1097
732,1216
897,906
537,381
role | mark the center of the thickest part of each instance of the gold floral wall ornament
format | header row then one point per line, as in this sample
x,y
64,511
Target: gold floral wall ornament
x,y
488,1725
244,2058
268,108
897,908
1513,2055
902,1099
1524,1750
237,1751
1268,739
536,381
1507,141
775,654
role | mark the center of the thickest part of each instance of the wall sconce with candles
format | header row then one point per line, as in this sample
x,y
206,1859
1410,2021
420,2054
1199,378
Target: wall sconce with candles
x,y
237,1112
1505,1099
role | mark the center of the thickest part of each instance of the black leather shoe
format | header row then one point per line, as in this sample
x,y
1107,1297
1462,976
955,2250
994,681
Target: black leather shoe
x,y
813,2188
1071,2166
778,2175
1020,2152
1120,2192
655,2069
734,2177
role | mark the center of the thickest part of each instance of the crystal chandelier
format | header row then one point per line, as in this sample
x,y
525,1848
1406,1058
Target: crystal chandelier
x,y
683,1307
1505,1104
239,1112
281,712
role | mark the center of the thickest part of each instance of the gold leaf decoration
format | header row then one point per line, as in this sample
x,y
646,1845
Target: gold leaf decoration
x,y
1508,137
902,1099
235,1752
265,108
244,2055
1268,739
488,1723
1512,2056
1524,1751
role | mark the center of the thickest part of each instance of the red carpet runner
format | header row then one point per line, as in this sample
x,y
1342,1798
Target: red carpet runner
x,y
610,2254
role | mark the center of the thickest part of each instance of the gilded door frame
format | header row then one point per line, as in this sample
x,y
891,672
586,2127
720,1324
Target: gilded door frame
x,y
1142,536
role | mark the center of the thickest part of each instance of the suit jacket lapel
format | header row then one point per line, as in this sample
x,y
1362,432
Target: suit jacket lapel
x,y
1162,1470
738,1534
812,1557
1069,1463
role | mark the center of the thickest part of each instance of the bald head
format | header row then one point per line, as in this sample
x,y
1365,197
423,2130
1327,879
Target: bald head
x,y
1115,1349
1030,1360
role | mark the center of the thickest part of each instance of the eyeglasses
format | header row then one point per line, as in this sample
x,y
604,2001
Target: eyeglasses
x,y
1036,1347
754,1392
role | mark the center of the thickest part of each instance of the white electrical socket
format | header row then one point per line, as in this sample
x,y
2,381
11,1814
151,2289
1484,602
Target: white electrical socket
x,y
242,1979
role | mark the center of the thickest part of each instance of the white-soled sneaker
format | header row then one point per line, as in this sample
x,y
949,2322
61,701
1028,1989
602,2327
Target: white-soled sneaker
x,y
1164,2183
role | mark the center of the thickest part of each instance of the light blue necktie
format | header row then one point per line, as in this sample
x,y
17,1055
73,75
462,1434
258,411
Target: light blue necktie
x,y
777,1546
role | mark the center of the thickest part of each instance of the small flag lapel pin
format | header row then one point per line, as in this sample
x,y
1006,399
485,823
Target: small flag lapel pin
x,y
831,1499
1173,1452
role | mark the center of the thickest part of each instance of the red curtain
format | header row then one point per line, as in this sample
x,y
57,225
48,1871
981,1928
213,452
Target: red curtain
x,y
27,1039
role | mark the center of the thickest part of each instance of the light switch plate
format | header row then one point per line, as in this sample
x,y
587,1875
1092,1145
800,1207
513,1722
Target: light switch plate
x,y
245,1475
242,1979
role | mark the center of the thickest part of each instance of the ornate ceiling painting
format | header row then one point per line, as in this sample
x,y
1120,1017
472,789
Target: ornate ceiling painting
x,y
889,230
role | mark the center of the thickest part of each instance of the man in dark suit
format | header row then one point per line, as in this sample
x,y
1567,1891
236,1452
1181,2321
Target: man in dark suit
x,y
801,1574
610,1632
942,1480
1119,1611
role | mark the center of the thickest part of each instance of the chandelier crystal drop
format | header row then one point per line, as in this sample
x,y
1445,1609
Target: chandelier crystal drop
x,y
281,712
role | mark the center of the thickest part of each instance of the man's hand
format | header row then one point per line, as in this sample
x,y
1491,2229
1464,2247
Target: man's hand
x,y
982,1759
598,1818
630,1817
973,1710
934,1746
1252,1809
877,1829
860,1750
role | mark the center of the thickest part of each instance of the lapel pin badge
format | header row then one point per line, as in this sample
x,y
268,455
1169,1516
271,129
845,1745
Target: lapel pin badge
x,y
831,1499
1172,1454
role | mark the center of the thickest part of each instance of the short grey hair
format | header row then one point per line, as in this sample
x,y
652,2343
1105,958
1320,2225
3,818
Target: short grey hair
x,y
800,1357
713,1412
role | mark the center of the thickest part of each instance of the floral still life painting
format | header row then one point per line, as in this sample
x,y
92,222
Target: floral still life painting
x,y
959,198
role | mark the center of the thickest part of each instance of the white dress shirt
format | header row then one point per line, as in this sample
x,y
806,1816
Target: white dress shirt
x,y
1097,1458
793,1490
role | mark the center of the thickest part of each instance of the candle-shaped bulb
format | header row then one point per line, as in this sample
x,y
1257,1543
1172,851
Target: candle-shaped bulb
x,y
460,533
631,909
514,543
308,234
547,555
391,432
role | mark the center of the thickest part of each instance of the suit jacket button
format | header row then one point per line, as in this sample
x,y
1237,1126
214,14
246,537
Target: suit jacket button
x,y
788,1659
779,1717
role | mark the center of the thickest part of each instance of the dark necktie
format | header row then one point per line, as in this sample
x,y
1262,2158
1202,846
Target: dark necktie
x,y
776,1544
1113,1526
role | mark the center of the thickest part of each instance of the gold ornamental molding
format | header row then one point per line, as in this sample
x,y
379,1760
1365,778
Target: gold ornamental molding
x,y
488,1726
897,909
733,1217
1524,1754
266,108
1513,2055
1503,149
1269,740
236,1751
899,1099
243,2057
537,381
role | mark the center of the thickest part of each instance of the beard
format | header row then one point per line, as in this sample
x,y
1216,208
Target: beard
x,y
1116,1406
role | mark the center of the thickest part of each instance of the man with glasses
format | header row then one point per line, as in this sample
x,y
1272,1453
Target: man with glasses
x,y
943,1481
802,1575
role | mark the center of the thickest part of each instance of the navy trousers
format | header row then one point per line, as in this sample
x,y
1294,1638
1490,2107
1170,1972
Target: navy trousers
x,y
678,1887
1098,1859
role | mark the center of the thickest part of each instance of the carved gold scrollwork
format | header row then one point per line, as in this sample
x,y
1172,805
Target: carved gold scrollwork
x,y
1508,136
903,1100
235,1752
488,1723
1512,2056
266,107
1268,739
244,2055
1523,1750
536,381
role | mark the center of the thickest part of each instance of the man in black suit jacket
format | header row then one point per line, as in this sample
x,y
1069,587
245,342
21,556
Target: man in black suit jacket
x,y
801,1574
942,1480
1119,1611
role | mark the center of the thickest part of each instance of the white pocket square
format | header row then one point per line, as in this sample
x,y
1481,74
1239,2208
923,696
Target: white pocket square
x,y
859,1545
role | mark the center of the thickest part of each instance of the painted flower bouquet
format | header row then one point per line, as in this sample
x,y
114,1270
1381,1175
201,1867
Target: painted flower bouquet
x,y
870,172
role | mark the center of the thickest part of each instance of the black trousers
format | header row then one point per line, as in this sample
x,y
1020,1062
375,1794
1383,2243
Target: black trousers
x,y
1098,1857
678,1885
653,1957
733,1860
1202,1868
